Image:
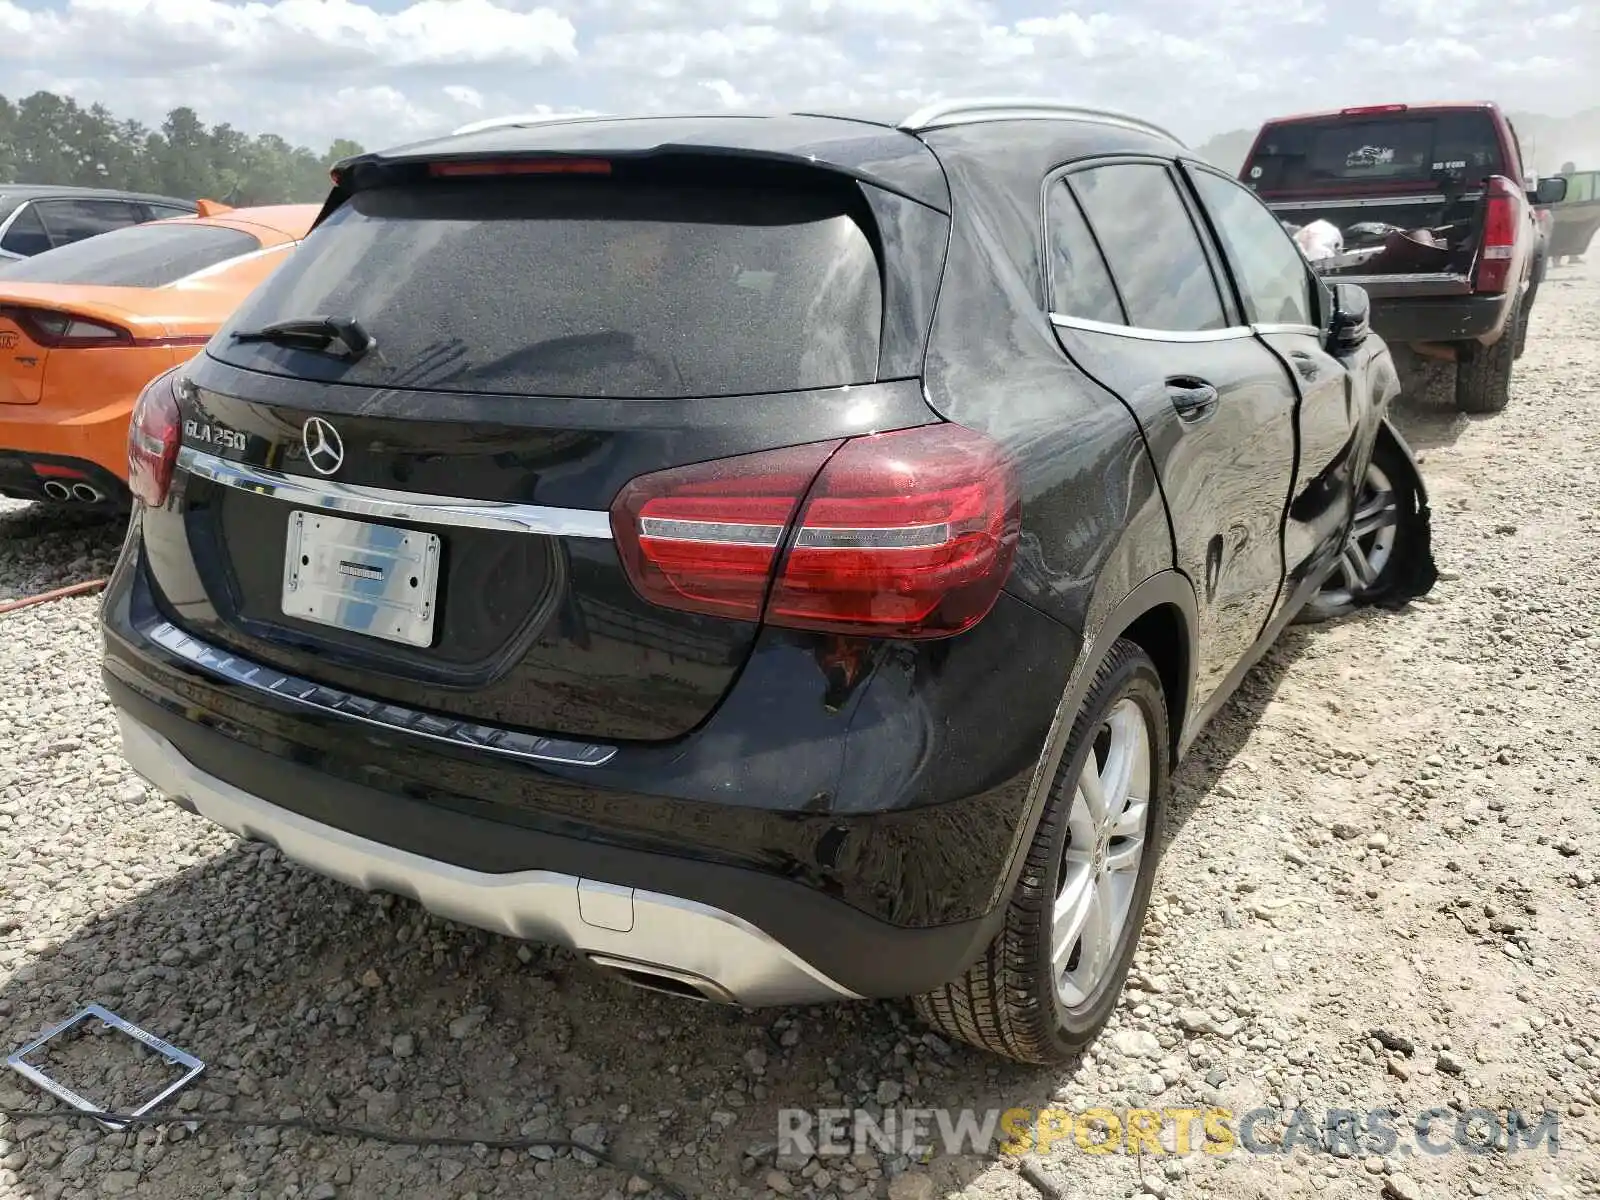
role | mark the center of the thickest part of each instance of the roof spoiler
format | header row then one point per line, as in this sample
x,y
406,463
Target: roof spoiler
x,y
211,208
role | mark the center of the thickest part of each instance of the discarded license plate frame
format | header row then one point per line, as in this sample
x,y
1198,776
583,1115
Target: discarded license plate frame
x,y
380,580
192,1065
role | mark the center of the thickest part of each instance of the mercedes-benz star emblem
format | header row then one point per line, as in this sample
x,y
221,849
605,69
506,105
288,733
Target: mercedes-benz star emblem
x,y
324,446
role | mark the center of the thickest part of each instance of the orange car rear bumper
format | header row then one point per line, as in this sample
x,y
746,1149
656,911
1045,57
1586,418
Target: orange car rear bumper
x,y
81,418
96,434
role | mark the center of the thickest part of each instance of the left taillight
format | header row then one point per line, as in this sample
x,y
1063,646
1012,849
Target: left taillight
x,y
1503,208
153,437
55,330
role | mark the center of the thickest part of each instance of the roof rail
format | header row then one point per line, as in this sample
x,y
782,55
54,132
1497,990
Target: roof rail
x,y
970,112
522,119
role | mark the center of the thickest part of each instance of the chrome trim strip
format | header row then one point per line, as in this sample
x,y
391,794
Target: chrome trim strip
x,y
1451,277
720,533
1281,327
418,507
1365,202
464,735
229,264
679,937
1151,335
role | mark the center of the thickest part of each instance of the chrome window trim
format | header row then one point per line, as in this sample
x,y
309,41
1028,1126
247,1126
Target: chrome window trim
x,y
1286,327
1229,334
227,264
395,718
418,507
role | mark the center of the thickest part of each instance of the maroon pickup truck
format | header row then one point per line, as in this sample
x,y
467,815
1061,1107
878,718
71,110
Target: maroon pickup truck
x,y
1434,221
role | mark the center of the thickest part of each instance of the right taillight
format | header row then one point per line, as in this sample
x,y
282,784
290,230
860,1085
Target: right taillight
x,y
902,534
1503,202
153,436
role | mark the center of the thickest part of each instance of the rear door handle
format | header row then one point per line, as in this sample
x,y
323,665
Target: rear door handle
x,y
1194,399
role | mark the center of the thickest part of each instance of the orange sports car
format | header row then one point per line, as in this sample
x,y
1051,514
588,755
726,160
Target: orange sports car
x,y
84,327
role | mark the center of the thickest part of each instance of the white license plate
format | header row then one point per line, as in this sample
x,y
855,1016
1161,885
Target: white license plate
x,y
374,579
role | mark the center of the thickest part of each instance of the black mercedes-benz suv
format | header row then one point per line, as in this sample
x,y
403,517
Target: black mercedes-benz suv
x,y
781,557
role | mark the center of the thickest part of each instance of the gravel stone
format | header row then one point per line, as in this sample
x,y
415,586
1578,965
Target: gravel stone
x,y
911,1186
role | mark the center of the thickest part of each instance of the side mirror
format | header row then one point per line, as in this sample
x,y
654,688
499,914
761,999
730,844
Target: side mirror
x,y
1550,191
1352,317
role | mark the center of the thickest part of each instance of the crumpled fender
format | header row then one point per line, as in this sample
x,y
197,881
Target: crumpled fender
x,y
1418,573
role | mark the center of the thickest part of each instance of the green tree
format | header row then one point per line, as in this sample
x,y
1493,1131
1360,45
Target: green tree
x,y
46,138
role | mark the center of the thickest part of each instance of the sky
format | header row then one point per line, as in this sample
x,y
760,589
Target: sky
x,y
389,71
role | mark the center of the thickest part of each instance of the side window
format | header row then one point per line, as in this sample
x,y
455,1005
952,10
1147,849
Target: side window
x,y
1080,283
1269,267
73,220
1151,245
26,235
160,212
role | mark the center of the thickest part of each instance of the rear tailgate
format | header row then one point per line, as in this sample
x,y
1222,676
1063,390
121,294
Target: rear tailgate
x,y
1405,188
538,344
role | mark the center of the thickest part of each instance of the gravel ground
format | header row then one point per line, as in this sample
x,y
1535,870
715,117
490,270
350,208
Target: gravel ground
x,y
1393,827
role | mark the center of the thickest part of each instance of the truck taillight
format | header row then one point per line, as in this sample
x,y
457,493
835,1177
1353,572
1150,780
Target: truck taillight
x,y
908,534
1503,208
153,436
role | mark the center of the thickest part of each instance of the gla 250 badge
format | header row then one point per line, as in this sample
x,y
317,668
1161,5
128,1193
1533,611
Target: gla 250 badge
x,y
214,435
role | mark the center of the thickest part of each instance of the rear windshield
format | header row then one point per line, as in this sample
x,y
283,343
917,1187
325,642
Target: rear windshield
x,y
137,256
582,288
1400,149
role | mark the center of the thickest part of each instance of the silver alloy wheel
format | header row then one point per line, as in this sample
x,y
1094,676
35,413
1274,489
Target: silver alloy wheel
x,y
1371,541
1106,830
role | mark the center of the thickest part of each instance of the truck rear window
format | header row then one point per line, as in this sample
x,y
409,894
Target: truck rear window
x,y
1405,149
584,288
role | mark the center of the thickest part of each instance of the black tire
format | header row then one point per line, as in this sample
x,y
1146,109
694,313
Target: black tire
x,y
1335,598
1526,318
1483,377
1007,1002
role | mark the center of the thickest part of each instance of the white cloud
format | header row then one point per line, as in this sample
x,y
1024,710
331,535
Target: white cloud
x,y
391,70
465,96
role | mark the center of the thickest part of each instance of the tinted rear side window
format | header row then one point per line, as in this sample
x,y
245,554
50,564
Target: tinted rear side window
x,y
73,220
138,256
583,288
1409,150
26,235
1152,247
1080,284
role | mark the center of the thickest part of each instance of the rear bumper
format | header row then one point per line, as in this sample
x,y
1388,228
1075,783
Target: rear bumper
x,y
716,954
730,934
1410,319
94,440
888,884
26,476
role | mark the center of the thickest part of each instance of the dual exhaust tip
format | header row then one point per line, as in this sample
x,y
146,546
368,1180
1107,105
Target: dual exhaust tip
x,y
82,493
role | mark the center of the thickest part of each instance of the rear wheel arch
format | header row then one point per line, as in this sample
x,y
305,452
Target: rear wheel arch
x,y
1165,634
1162,610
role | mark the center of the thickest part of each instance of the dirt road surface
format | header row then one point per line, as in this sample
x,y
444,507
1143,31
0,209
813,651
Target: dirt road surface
x,y
1393,830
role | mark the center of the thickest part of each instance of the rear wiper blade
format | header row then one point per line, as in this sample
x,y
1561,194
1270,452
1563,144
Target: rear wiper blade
x,y
343,337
